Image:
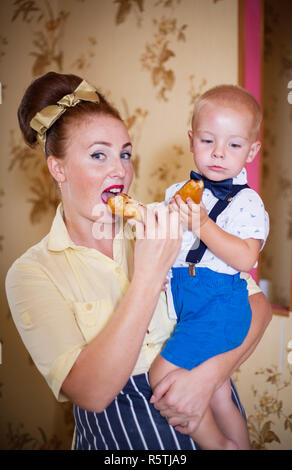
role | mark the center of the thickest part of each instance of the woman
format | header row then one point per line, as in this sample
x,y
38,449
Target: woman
x,y
88,302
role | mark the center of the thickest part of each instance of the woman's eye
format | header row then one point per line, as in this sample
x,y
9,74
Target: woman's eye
x,y
206,141
126,155
98,155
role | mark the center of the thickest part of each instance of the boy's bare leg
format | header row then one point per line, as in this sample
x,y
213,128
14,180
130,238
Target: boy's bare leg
x,y
229,418
208,435
159,369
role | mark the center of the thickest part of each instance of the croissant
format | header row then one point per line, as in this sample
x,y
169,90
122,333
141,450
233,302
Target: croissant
x,y
193,189
125,206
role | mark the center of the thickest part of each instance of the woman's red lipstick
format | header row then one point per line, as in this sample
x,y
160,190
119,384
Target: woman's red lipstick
x,y
111,191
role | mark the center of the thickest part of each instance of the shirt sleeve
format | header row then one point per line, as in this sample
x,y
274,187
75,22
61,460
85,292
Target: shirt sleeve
x,y
45,322
247,217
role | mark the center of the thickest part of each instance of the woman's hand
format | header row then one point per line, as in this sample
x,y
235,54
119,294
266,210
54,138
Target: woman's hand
x,y
158,240
183,397
105,364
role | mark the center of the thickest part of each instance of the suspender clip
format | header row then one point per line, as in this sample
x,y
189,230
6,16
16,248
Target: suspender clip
x,y
192,271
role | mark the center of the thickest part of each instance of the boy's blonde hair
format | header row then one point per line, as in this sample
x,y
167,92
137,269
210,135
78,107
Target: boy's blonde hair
x,y
231,96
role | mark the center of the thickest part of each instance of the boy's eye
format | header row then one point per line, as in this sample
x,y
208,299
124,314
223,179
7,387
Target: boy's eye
x,y
207,141
235,145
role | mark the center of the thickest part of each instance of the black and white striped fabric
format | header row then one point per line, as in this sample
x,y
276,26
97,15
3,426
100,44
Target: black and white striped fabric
x,y
131,423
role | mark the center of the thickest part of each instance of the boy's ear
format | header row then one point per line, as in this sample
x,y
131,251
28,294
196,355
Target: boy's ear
x,y
56,169
253,151
191,136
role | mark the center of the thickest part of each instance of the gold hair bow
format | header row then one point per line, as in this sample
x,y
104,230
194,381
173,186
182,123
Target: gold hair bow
x,y
45,118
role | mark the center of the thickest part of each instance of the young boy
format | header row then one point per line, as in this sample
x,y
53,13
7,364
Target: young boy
x,y
210,299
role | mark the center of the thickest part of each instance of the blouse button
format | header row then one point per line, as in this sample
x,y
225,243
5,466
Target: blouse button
x,y
89,306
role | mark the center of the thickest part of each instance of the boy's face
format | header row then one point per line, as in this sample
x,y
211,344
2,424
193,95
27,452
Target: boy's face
x,y
222,141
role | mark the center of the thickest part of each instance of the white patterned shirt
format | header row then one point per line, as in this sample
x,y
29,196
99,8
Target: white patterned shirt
x,y
244,217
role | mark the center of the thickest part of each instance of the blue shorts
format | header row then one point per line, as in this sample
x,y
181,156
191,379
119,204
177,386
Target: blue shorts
x,y
213,316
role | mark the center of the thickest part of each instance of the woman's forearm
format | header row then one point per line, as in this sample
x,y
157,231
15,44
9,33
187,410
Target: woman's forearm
x,y
222,366
262,315
105,364
183,396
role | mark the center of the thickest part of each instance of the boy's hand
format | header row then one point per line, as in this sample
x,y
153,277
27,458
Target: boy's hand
x,y
192,216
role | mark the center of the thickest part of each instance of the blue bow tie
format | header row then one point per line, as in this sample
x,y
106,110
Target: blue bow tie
x,y
220,189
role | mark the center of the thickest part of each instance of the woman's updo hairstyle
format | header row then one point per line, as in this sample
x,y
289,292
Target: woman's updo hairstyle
x,y
48,90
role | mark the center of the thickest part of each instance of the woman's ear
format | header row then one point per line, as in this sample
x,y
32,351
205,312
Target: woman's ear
x,y
56,168
253,151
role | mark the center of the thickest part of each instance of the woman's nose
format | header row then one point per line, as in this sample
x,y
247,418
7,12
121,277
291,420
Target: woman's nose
x,y
117,168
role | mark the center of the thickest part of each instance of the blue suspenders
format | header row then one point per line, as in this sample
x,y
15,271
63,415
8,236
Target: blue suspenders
x,y
195,256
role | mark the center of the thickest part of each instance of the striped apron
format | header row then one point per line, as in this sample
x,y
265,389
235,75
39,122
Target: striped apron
x,y
130,422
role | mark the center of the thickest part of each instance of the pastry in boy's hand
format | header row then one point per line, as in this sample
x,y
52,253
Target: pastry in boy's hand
x,y
125,206
193,189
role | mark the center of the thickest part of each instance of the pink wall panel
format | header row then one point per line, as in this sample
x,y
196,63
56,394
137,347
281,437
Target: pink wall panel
x,y
252,77
253,70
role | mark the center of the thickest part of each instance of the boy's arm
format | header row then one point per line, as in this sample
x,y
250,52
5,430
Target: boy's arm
x,y
239,253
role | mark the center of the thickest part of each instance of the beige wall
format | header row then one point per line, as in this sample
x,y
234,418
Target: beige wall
x,y
151,58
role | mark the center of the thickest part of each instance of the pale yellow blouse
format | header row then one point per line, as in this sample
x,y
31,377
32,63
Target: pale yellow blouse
x,y
61,295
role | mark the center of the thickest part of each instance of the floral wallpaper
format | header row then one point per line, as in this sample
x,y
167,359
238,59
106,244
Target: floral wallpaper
x,y
152,58
269,405
265,383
